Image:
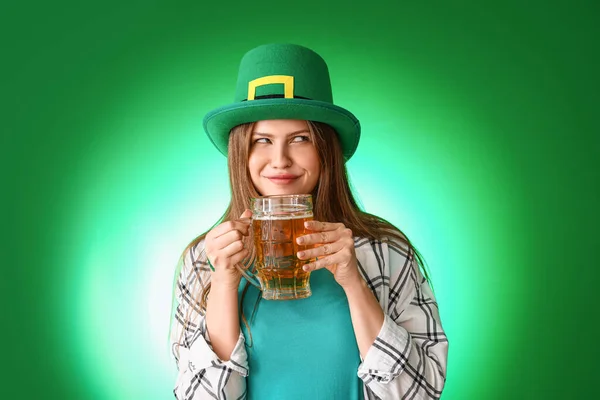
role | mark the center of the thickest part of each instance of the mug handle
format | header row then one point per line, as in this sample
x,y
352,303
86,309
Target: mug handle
x,y
250,277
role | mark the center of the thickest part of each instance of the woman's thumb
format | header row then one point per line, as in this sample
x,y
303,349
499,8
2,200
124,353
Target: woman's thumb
x,y
247,214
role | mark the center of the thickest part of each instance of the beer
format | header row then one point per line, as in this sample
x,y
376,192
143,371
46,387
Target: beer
x,y
277,221
277,267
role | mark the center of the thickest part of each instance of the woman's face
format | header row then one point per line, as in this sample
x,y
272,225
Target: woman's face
x,y
283,159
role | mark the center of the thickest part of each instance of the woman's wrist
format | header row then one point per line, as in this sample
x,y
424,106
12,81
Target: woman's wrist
x,y
355,286
225,281
366,313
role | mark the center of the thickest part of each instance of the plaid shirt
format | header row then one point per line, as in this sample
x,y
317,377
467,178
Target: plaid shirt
x,y
406,361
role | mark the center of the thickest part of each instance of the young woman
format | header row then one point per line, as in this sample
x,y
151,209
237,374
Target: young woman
x,y
371,328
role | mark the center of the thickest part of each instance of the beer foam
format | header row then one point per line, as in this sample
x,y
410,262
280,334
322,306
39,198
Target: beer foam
x,y
297,215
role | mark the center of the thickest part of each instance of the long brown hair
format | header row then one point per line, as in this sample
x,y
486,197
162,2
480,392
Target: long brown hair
x,y
333,184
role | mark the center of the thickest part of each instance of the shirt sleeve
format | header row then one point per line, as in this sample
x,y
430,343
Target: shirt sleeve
x,y
408,358
201,374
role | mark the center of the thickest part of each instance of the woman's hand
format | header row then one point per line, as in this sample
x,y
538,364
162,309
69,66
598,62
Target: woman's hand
x,y
225,247
334,248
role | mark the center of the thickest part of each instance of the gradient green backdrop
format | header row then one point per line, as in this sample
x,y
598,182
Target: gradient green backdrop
x,y
480,140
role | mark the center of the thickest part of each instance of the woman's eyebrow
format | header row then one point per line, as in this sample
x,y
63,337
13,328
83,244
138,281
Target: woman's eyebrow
x,y
269,135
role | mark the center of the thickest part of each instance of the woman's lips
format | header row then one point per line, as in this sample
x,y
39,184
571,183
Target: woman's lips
x,y
282,179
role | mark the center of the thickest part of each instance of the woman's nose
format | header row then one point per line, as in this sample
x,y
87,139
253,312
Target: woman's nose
x,y
280,158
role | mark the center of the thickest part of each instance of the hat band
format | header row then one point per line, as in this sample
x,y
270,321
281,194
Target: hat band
x,y
276,96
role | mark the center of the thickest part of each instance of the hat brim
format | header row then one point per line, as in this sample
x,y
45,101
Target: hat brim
x,y
218,123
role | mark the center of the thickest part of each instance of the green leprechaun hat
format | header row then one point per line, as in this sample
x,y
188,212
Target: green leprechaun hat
x,y
282,81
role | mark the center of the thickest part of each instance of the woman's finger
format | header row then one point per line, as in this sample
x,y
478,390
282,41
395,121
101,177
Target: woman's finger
x,y
327,232
226,239
232,248
317,238
321,251
322,262
239,225
319,226
229,254
239,256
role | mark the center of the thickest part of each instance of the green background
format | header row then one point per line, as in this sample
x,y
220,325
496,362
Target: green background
x,y
480,141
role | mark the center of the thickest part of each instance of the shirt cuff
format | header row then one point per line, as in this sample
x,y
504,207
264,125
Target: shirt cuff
x,y
201,356
388,355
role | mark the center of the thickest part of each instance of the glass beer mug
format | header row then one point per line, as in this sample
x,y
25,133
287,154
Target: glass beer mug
x,y
276,223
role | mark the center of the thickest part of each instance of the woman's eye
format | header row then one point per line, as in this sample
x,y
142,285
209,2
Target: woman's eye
x,y
262,140
301,139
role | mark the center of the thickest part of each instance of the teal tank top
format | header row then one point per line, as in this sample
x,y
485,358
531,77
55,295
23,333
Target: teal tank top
x,y
302,349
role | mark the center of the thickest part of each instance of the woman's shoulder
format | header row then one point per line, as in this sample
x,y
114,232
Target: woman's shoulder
x,y
387,257
193,258
387,243
196,249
